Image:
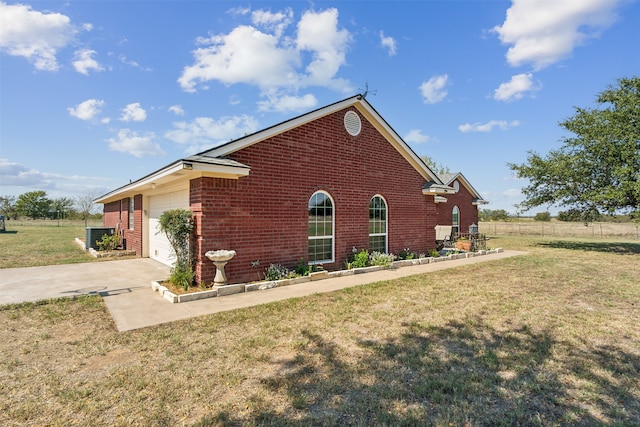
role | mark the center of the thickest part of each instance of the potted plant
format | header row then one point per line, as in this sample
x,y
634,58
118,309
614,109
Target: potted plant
x,y
463,244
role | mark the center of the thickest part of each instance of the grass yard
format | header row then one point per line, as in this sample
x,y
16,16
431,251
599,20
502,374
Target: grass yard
x,y
43,242
550,338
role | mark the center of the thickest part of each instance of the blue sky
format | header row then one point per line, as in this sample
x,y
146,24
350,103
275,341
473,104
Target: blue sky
x,y
95,93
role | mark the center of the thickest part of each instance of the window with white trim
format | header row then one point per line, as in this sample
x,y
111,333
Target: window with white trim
x,y
321,226
377,224
455,221
131,210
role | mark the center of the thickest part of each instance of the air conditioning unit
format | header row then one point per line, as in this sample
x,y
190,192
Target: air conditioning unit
x,y
95,234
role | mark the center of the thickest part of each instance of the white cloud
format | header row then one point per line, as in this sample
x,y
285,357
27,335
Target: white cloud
x,y
17,175
388,43
245,55
205,132
516,88
488,127
319,34
177,110
286,103
87,110
434,90
34,35
133,113
275,22
278,62
235,11
83,61
125,60
128,141
416,136
544,32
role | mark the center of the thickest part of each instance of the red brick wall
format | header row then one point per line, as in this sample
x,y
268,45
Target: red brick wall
x,y
111,214
468,211
263,217
116,215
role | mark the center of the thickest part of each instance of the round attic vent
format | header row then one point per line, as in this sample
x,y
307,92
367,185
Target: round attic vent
x,y
352,123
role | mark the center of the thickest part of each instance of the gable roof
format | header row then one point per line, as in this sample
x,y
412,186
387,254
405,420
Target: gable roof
x,y
449,178
360,104
213,162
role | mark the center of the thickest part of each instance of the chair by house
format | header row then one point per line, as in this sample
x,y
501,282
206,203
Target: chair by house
x,y
443,236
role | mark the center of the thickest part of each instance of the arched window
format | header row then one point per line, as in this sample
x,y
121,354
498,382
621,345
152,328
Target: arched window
x,y
455,221
321,225
377,224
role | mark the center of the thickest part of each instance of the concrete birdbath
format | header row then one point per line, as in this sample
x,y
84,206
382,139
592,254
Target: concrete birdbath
x,y
220,258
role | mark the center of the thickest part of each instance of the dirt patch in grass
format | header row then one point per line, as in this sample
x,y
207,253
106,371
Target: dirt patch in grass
x,y
545,339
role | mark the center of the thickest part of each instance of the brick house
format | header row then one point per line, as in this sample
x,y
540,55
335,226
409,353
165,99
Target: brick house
x,y
312,187
460,209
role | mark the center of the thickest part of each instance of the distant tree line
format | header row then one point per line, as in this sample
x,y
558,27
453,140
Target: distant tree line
x,y
36,205
571,215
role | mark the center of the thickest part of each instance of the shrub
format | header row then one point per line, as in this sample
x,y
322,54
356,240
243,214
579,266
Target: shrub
x,y
177,225
380,258
542,216
406,254
108,242
276,272
302,268
357,259
182,277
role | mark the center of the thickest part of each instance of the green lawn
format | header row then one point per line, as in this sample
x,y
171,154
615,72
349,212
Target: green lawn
x,y
43,242
550,338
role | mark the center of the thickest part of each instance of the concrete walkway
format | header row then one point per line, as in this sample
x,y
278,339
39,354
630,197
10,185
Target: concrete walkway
x,y
126,288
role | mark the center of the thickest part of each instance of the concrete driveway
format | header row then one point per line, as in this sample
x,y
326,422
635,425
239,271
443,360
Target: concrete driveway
x,y
55,281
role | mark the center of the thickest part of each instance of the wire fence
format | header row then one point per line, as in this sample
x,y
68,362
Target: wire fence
x,y
599,230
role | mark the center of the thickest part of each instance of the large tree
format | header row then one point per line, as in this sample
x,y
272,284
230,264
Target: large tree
x,y
34,204
598,168
60,208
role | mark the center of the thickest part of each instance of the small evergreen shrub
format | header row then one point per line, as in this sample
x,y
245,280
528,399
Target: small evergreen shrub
x,y
108,242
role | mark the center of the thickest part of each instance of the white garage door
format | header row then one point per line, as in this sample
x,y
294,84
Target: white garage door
x,y
159,247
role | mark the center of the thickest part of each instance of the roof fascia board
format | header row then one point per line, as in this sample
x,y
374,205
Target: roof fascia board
x,y
392,136
177,170
467,184
250,140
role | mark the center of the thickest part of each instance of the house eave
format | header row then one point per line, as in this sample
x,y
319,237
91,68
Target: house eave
x,y
437,189
477,202
182,170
